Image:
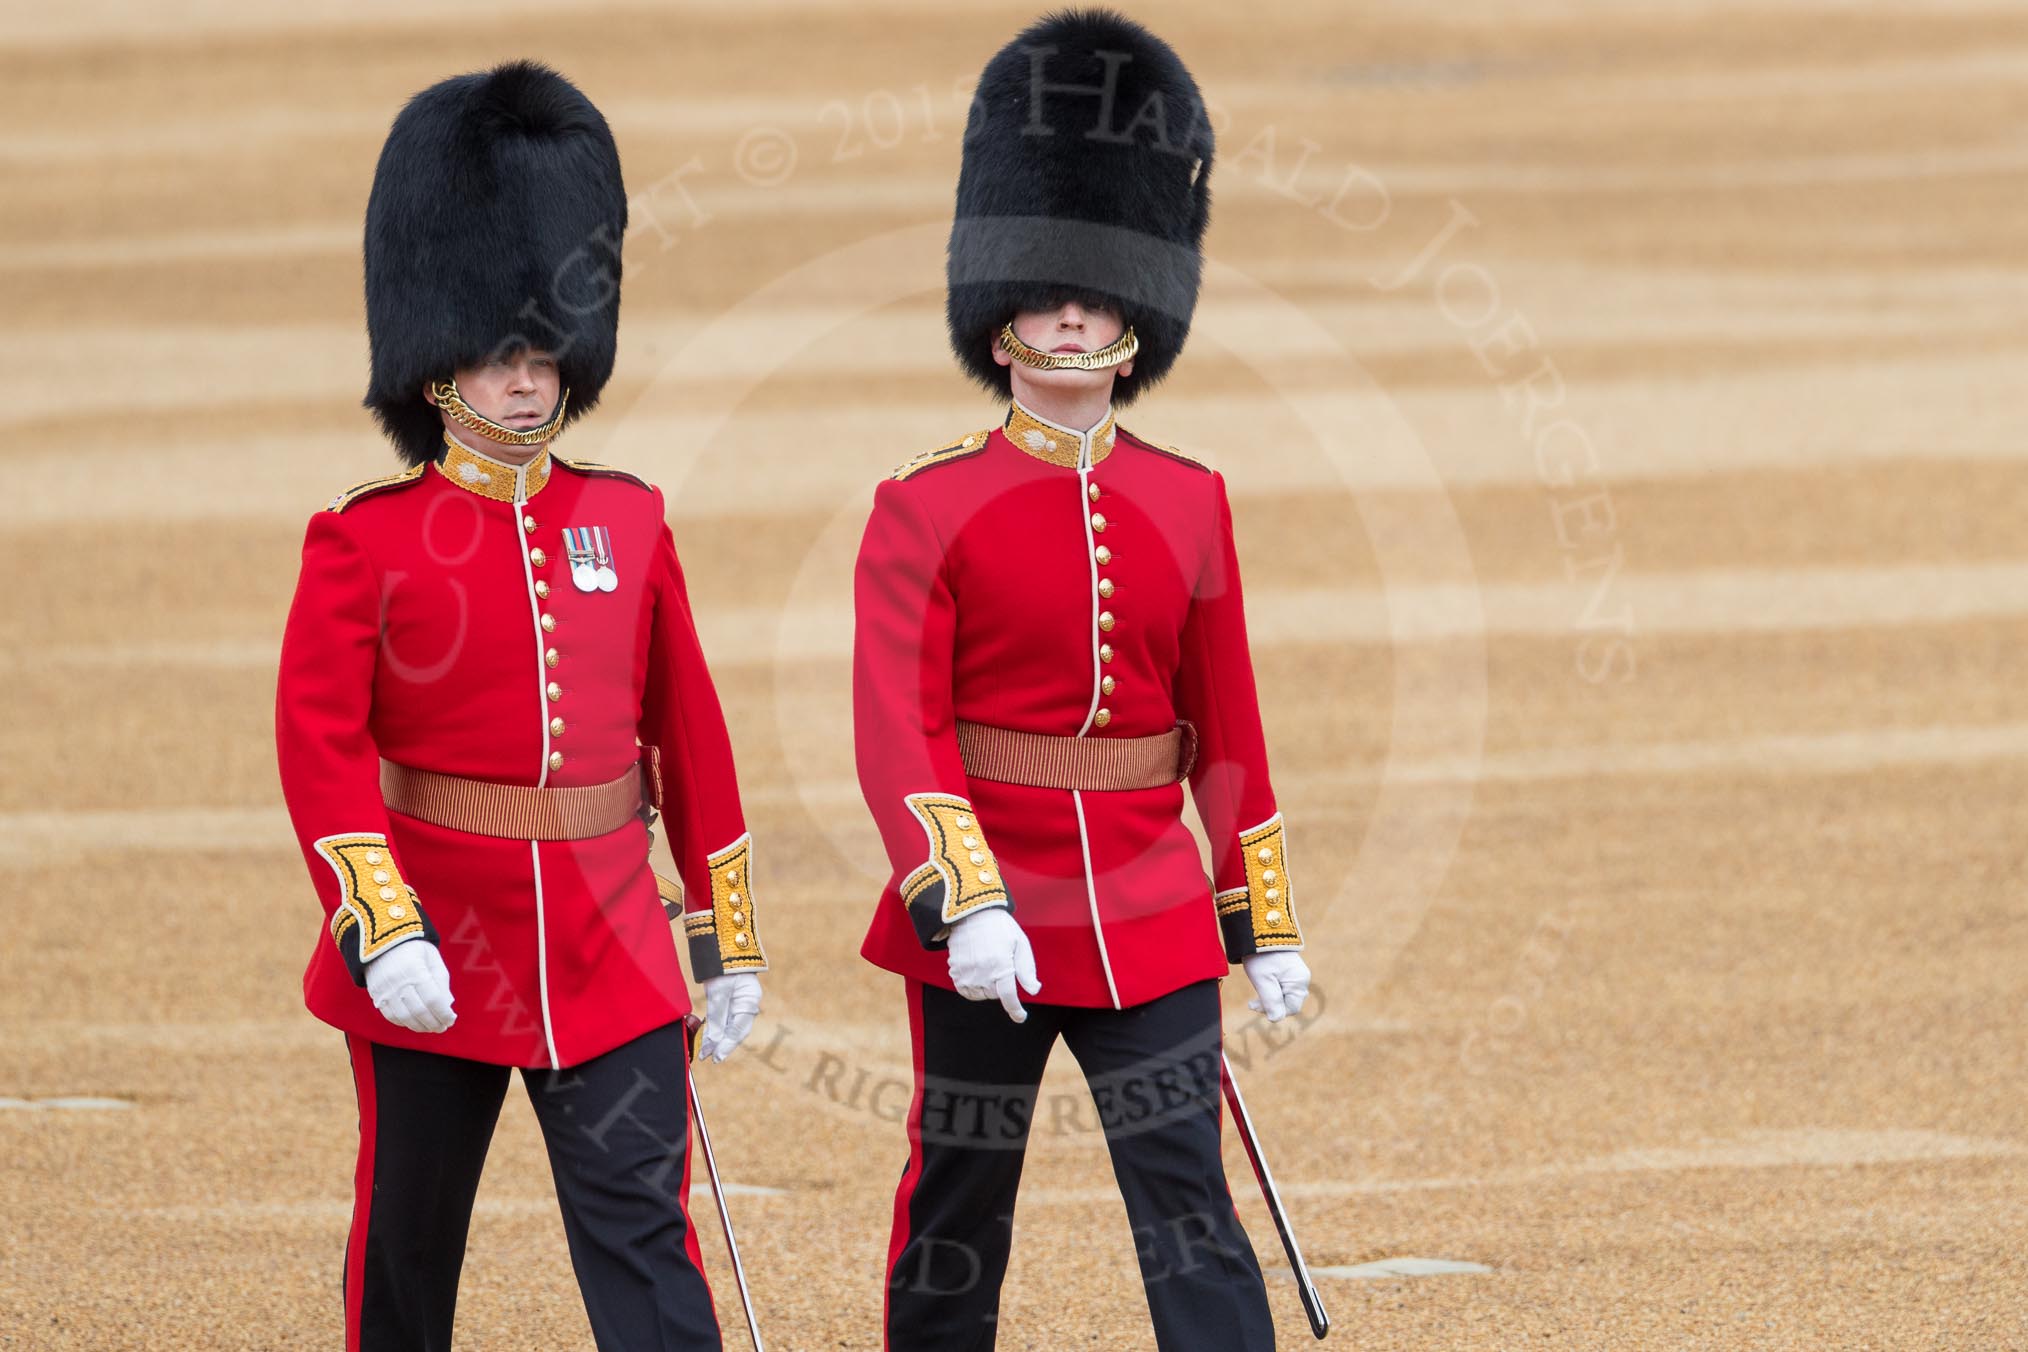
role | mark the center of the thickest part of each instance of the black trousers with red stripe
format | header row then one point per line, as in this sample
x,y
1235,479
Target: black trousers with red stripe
x,y
1153,1071
617,1131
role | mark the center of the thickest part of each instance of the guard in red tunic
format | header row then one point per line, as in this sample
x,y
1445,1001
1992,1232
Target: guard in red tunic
x,y
1050,641
489,685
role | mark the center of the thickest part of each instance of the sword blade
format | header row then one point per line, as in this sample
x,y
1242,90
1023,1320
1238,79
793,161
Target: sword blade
x,y
1313,1303
718,1196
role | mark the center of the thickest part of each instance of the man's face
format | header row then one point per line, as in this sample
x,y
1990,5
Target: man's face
x,y
1073,326
518,391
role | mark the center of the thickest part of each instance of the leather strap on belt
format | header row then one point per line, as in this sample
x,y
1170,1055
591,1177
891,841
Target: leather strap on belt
x,y
1090,763
513,811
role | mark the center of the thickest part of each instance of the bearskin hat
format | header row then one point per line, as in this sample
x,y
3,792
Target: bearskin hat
x,y
495,223
1087,173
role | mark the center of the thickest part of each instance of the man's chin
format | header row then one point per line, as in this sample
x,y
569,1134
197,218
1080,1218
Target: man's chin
x,y
1070,378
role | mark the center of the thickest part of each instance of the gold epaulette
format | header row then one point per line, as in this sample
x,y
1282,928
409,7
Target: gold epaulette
x,y
372,486
609,471
1169,451
970,444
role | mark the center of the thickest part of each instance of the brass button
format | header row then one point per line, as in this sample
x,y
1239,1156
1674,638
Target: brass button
x,y
739,917
1106,620
556,727
977,857
1104,717
396,912
971,842
388,894
1098,521
1274,894
555,691
733,898
528,524
551,656
541,588
1267,856
1274,917
1106,686
1106,588
1093,490
1267,876
740,939
556,760
732,876
373,856
1103,555
1105,652
549,624
537,557
985,875
964,823
381,875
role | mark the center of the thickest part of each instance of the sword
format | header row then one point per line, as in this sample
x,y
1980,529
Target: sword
x,y
691,1023
1313,1304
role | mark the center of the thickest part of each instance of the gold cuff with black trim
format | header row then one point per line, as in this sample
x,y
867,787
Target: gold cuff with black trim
x,y
1260,916
959,877
723,939
377,909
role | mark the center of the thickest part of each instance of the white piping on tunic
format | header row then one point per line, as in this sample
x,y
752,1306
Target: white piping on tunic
x,y
1084,469
1091,557
534,618
1091,895
542,769
542,958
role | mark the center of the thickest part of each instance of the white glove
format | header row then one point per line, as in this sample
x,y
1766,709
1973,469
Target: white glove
x,y
989,954
1281,982
730,1004
411,988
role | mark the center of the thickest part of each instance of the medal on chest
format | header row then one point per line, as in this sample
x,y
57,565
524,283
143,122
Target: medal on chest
x,y
590,553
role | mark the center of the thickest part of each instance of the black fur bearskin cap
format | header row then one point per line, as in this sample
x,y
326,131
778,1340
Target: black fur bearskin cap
x,y
1087,173
495,223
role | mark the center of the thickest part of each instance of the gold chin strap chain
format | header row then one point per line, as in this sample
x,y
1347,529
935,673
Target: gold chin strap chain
x,y
1111,355
462,413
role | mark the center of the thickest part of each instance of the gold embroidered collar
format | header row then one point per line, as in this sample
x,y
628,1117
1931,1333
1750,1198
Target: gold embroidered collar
x,y
490,478
1056,444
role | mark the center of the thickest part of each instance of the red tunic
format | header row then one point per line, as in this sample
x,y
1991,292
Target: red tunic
x,y
1078,585
437,624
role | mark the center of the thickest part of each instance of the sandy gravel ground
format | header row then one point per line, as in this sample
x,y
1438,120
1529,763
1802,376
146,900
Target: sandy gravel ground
x,y
1654,780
